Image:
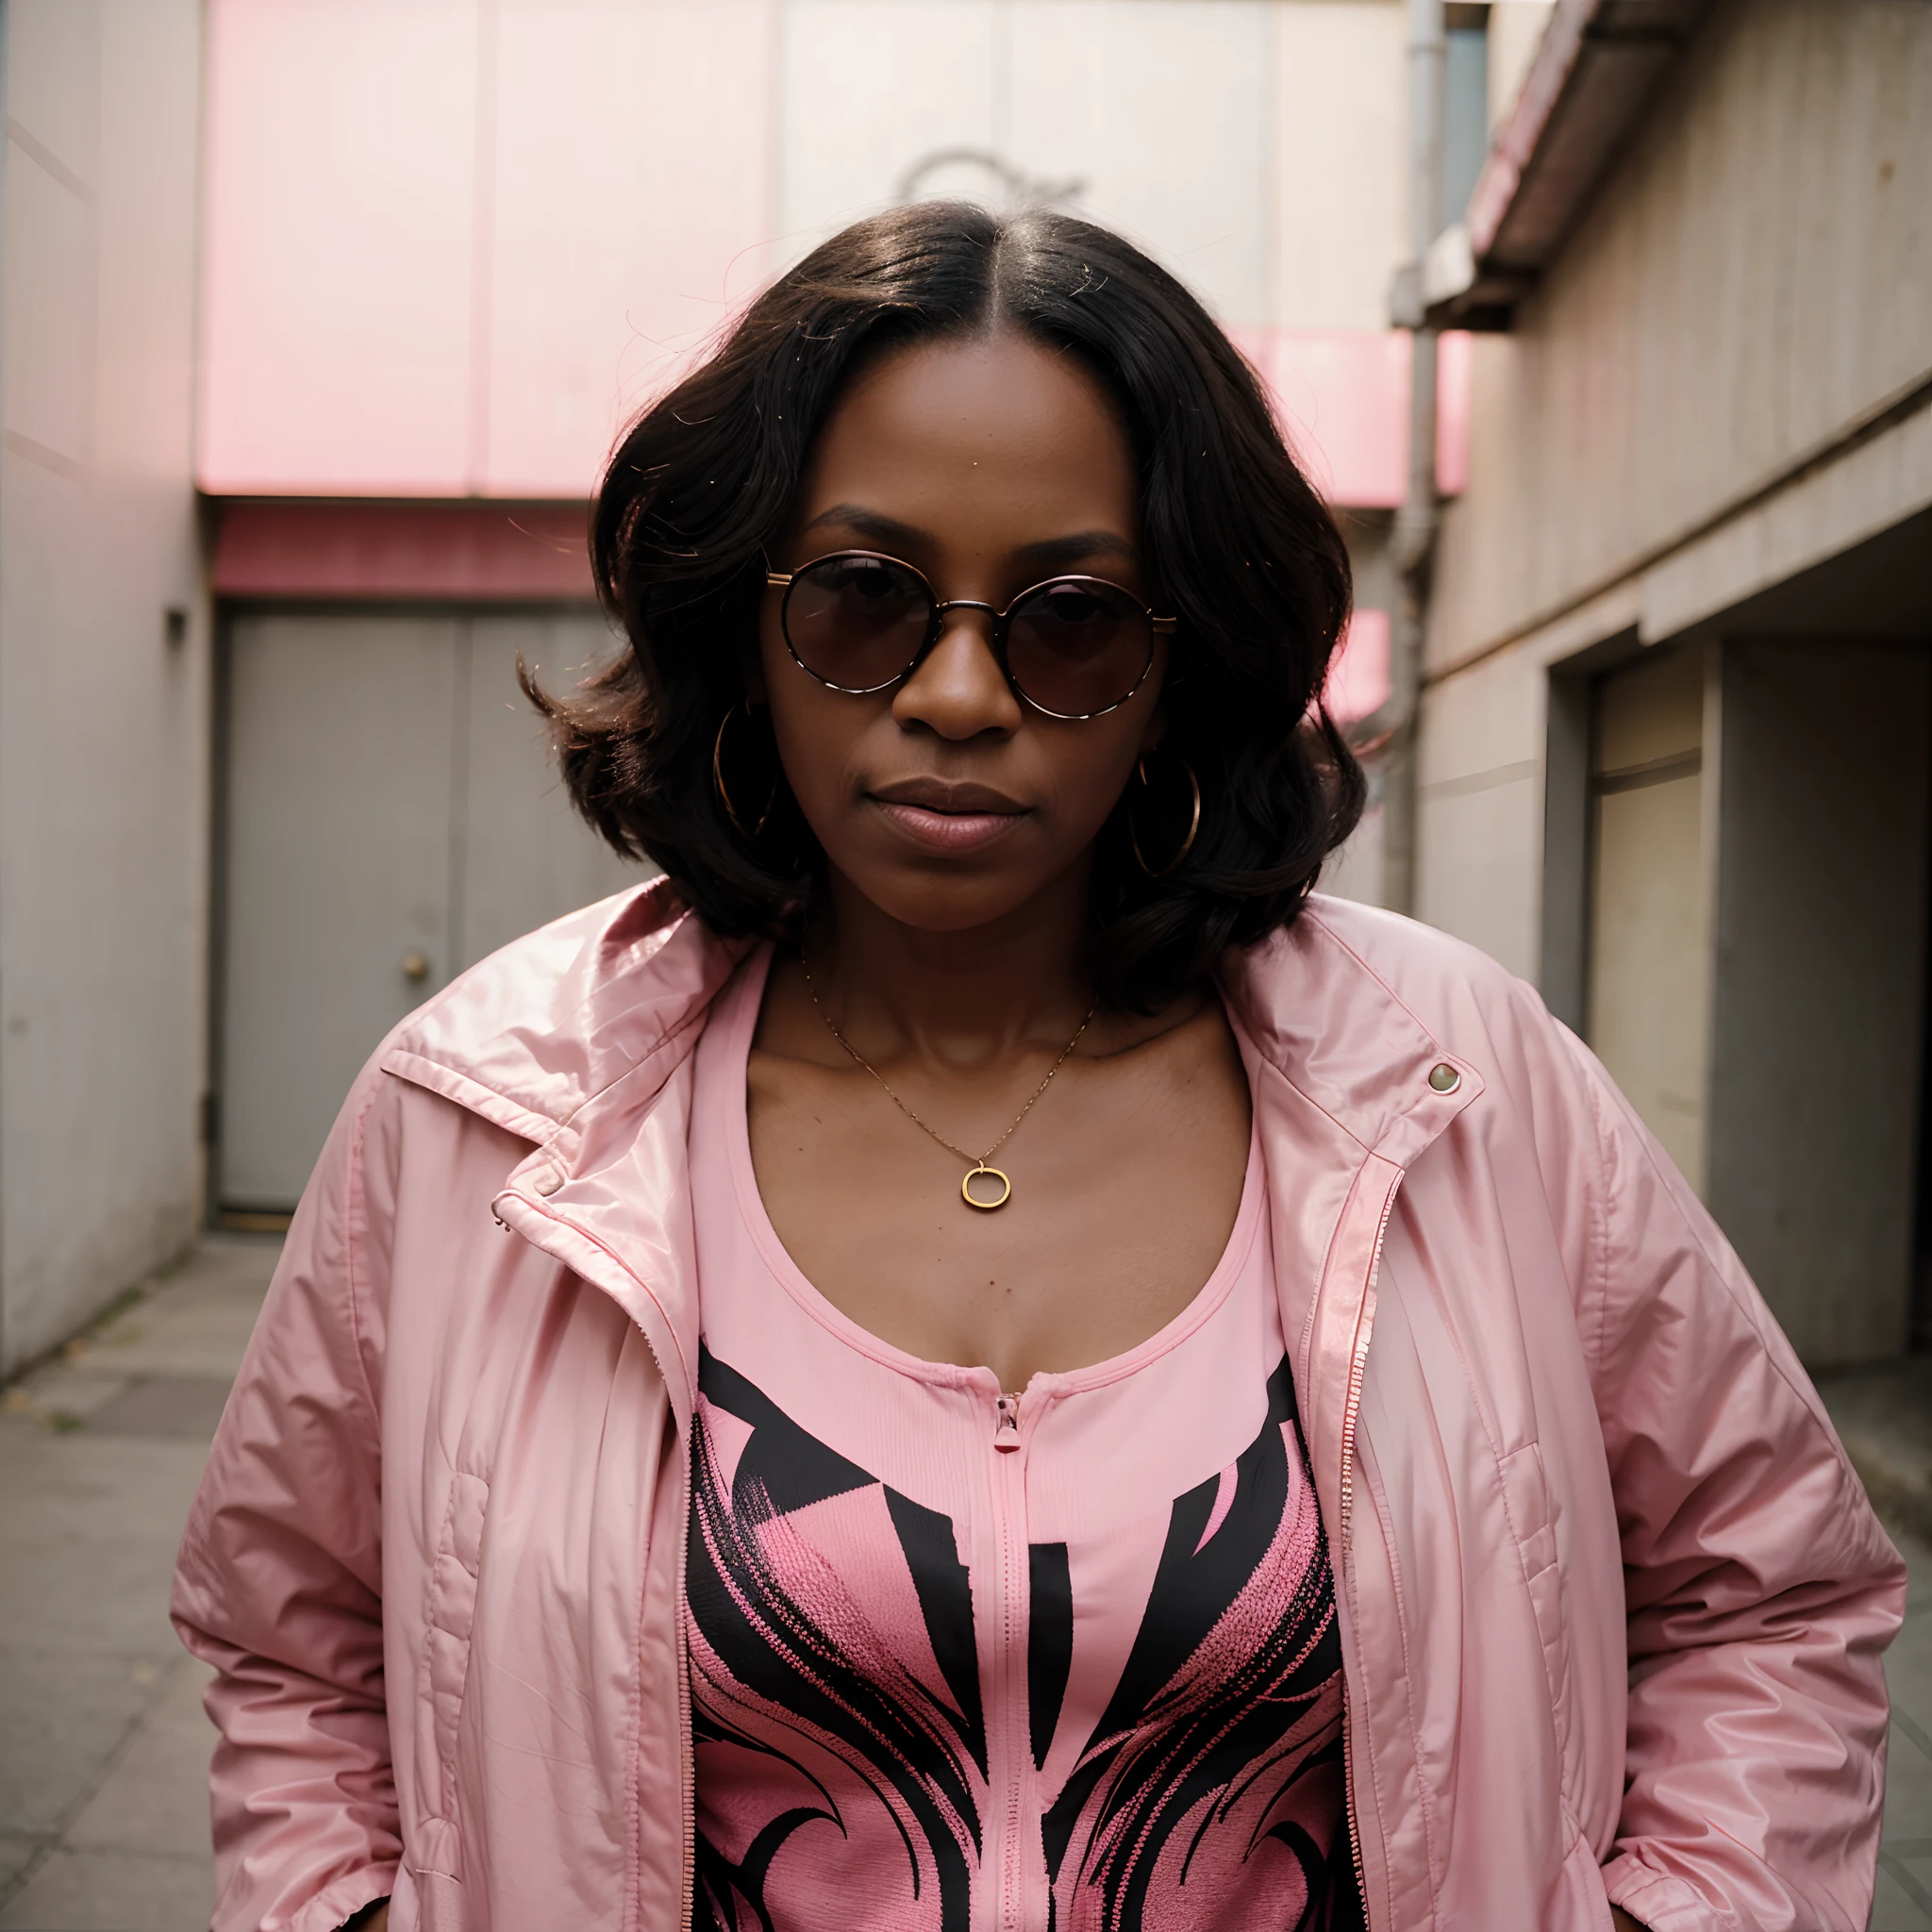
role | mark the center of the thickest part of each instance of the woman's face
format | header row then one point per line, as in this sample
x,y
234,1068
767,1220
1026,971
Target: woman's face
x,y
988,464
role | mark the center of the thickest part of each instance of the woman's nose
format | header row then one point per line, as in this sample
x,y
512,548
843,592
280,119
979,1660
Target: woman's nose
x,y
958,689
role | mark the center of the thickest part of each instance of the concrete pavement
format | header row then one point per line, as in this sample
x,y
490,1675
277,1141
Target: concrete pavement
x,y
102,1746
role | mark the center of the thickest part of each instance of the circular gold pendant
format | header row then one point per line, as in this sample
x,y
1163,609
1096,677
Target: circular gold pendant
x,y
973,1200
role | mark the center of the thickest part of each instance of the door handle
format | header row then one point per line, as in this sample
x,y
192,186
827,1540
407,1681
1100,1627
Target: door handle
x,y
415,965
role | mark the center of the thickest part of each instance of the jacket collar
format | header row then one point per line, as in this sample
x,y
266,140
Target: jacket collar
x,y
578,1039
577,1012
569,1014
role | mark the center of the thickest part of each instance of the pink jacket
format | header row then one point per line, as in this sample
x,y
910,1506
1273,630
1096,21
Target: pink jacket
x,y
1612,1603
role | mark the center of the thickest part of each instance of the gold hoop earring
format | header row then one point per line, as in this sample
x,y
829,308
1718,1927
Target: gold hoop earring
x,y
718,777
1187,844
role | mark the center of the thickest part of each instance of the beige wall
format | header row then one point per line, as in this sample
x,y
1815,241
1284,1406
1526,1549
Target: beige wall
x,y
1254,146
1815,1048
1691,410
1757,274
1479,810
1342,108
1516,30
1649,979
102,722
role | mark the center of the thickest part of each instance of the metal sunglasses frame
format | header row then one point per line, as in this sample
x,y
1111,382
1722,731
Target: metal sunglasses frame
x,y
784,580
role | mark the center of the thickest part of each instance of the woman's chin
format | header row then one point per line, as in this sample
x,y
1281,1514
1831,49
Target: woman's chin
x,y
937,892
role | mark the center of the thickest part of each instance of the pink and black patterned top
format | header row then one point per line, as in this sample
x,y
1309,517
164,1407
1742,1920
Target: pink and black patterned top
x,y
962,1660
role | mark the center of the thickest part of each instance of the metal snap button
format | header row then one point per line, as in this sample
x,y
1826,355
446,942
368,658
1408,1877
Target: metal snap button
x,y
546,1180
1444,1077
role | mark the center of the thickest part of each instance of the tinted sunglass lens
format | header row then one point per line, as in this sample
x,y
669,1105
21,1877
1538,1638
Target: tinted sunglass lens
x,y
856,622
1078,646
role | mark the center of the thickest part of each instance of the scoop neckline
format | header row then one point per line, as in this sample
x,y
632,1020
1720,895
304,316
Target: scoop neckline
x,y
1207,1300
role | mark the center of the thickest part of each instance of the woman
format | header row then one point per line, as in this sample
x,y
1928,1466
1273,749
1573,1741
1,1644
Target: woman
x,y
839,1390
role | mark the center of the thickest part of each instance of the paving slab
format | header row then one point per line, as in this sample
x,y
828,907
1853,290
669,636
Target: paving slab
x,y
1893,1909
104,1749
17,1850
113,1891
154,1801
91,1527
1884,1417
63,1715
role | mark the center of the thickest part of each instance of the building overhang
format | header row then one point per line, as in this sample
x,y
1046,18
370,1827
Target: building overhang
x,y
314,550
1595,75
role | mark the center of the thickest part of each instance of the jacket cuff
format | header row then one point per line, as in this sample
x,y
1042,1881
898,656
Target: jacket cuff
x,y
330,1911
1660,1902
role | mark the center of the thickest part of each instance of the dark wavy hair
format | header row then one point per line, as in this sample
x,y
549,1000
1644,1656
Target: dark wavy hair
x,y
1238,545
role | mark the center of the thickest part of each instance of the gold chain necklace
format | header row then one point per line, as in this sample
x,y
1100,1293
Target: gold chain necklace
x,y
978,1165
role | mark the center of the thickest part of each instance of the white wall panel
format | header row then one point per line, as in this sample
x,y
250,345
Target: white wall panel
x,y
1161,110
50,314
1341,189
868,89
103,723
1175,151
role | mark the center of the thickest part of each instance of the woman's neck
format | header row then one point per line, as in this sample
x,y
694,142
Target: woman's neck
x,y
963,999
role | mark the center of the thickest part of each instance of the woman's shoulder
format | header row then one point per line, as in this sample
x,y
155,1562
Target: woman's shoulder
x,y
1355,977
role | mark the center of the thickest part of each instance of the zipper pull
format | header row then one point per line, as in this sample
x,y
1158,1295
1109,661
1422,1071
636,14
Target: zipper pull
x,y
1005,1436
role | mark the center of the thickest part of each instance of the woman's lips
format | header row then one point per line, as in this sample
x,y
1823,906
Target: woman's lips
x,y
948,831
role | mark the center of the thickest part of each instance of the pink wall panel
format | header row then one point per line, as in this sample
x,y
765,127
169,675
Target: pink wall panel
x,y
336,291
1359,671
633,193
451,245
451,242
1342,397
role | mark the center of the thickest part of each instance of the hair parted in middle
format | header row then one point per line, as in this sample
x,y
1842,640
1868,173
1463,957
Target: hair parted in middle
x,y
1237,544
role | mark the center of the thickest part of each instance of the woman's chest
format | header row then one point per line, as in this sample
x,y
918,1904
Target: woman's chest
x,y
1116,1209
962,1660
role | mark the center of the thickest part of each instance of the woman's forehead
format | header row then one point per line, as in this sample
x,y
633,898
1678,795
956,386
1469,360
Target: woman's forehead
x,y
998,432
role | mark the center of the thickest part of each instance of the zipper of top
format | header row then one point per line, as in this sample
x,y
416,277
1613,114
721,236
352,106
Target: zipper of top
x,y
1009,1506
1350,1409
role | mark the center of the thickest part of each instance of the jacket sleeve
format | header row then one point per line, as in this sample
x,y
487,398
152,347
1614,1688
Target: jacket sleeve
x,y
1759,1590
279,1583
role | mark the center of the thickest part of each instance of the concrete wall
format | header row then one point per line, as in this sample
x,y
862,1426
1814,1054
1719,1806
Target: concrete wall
x,y
1712,390
1821,955
1756,275
104,754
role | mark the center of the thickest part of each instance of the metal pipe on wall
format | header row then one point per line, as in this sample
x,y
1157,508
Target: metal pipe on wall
x,y
1416,521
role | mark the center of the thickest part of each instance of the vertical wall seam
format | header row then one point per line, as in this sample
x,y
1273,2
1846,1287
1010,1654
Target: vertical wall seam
x,y
482,248
456,938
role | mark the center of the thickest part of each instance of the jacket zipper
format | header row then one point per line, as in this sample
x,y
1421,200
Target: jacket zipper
x,y
1357,1369
686,1751
1008,1472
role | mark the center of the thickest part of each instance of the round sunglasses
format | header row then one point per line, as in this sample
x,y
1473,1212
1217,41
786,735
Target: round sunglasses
x,y
1072,647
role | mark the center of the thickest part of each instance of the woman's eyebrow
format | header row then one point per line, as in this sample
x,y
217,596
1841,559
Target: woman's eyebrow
x,y
872,524
1053,552
1049,554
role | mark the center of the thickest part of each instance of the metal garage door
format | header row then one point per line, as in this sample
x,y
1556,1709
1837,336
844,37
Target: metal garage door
x,y
391,818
